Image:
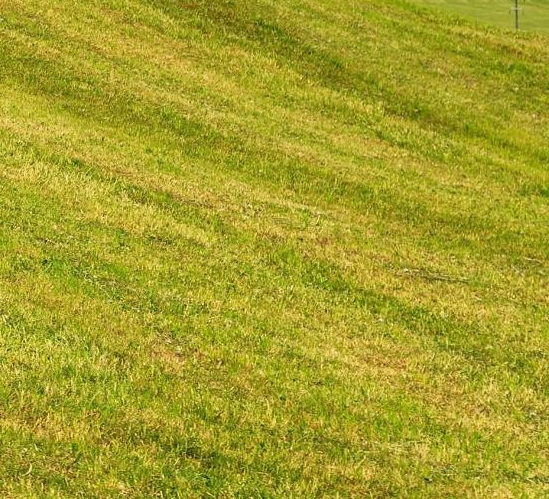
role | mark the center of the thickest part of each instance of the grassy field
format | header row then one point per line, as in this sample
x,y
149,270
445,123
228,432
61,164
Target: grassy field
x,y
263,248
533,16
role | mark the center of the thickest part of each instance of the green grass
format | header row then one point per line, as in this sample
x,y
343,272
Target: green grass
x,y
271,249
533,16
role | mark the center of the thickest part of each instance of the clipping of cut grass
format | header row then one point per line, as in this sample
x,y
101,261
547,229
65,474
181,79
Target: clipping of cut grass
x,y
271,249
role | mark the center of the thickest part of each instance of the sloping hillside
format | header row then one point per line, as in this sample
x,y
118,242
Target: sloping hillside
x,y
265,248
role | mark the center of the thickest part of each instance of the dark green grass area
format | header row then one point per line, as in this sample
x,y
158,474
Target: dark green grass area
x,y
271,249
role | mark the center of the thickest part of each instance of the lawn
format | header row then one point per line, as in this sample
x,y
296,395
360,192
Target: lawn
x,y
271,249
533,14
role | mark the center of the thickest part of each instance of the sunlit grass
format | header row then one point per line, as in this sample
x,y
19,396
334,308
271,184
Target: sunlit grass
x,y
271,249
533,15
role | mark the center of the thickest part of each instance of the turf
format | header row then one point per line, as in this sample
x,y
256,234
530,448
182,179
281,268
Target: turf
x,y
271,249
533,14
